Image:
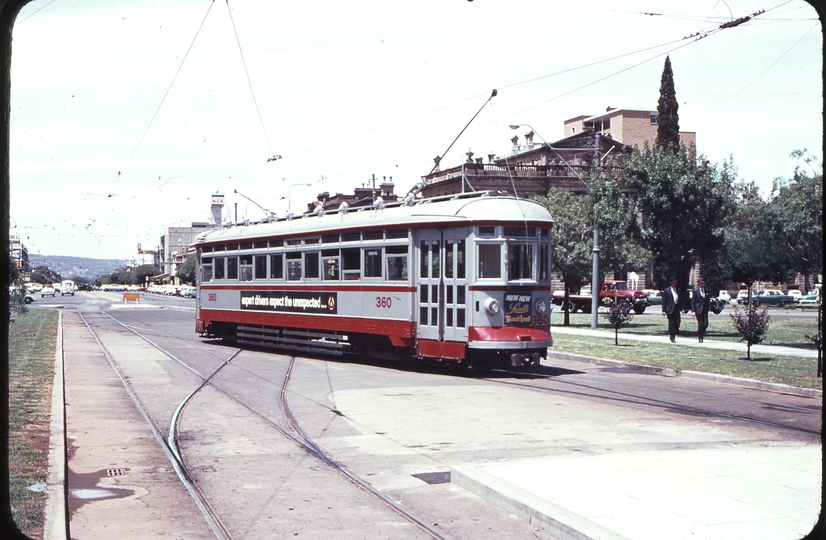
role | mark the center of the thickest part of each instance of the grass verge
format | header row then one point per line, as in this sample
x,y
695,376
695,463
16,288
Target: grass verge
x,y
32,337
784,332
791,370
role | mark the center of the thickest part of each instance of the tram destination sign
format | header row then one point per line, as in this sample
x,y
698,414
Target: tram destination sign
x,y
290,301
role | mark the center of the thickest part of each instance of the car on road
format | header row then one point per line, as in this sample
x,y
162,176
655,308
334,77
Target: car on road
x,y
48,290
18,293
189,292
113,287
67,286
724,297
809,300
797,294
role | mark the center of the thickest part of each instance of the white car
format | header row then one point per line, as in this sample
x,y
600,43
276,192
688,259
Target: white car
x,y
48,290
724,297
796,294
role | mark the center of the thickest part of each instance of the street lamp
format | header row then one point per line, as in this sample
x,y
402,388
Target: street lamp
x,y
595,250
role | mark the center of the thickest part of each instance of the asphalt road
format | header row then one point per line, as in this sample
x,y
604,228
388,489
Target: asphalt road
x,y
397,431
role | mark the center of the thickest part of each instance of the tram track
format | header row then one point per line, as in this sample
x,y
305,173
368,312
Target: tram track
x,y
626,397
292,431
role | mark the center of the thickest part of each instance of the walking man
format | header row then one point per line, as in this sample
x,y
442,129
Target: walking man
x,y
671,308
700,304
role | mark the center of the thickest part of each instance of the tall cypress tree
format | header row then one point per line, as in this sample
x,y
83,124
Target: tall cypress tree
x,y
668,121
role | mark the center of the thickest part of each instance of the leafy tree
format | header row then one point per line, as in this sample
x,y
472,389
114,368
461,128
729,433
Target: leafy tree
x,y
751,250
683,203
668,120
43,274
574,218
752,324
139,274
14,273
186,271
618,315
797,206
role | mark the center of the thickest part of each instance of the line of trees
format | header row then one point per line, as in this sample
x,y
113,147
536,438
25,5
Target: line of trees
x,y
670,208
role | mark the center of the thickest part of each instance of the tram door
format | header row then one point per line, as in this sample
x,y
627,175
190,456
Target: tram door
x,y
442,328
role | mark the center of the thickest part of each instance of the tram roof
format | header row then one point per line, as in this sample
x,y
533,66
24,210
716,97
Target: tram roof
x,y
472,209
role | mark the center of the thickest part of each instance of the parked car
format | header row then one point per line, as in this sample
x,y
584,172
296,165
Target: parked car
x,y
189,292
796,294
654,296
85,287
48,290
743,296
724,297
809,300
773,297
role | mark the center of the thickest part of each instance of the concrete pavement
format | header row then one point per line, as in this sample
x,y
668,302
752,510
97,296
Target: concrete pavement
x,y
721,494
770,492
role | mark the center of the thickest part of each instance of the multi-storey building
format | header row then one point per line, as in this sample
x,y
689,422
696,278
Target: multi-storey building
x,y
634,127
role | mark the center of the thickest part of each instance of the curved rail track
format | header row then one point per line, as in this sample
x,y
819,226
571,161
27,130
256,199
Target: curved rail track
x,y
169,439
627,395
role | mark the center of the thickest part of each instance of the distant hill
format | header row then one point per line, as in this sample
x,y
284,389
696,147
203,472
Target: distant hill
x,y
69,267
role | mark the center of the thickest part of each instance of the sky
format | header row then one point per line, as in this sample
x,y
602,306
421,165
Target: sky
x,y
127,115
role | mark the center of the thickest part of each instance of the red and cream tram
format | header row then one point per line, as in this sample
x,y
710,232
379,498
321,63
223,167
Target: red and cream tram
x,y
462,280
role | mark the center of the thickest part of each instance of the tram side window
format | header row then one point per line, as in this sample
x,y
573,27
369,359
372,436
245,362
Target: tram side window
x,y
449,245
277,266
544,263
351,263
246,267
372,262
219,268
396,263
311,268
460,259
425,256
232,267
206,269
294,266
520,261
331,265
490,261
260,267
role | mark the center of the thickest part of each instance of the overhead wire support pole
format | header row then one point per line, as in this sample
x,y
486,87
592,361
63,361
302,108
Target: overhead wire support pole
x,y
595,250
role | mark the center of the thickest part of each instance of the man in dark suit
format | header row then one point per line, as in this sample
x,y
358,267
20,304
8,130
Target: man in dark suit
x,y
700,305
671,308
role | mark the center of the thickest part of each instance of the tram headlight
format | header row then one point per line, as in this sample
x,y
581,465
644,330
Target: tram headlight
x,y
492,306
541,306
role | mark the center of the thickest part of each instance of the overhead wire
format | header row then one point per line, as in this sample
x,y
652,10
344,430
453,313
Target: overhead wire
x,y
249,81
165,94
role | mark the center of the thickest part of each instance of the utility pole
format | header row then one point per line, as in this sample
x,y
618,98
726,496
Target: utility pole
x,y
595,265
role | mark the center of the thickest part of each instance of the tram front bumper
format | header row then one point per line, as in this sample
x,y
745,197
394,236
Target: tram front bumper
x,y
525,359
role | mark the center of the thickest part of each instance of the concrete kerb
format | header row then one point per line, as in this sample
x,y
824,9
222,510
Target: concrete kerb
x,y
672,372
55,525
544,514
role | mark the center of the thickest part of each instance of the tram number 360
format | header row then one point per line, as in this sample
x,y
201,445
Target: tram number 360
x,y
383,302
540,320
